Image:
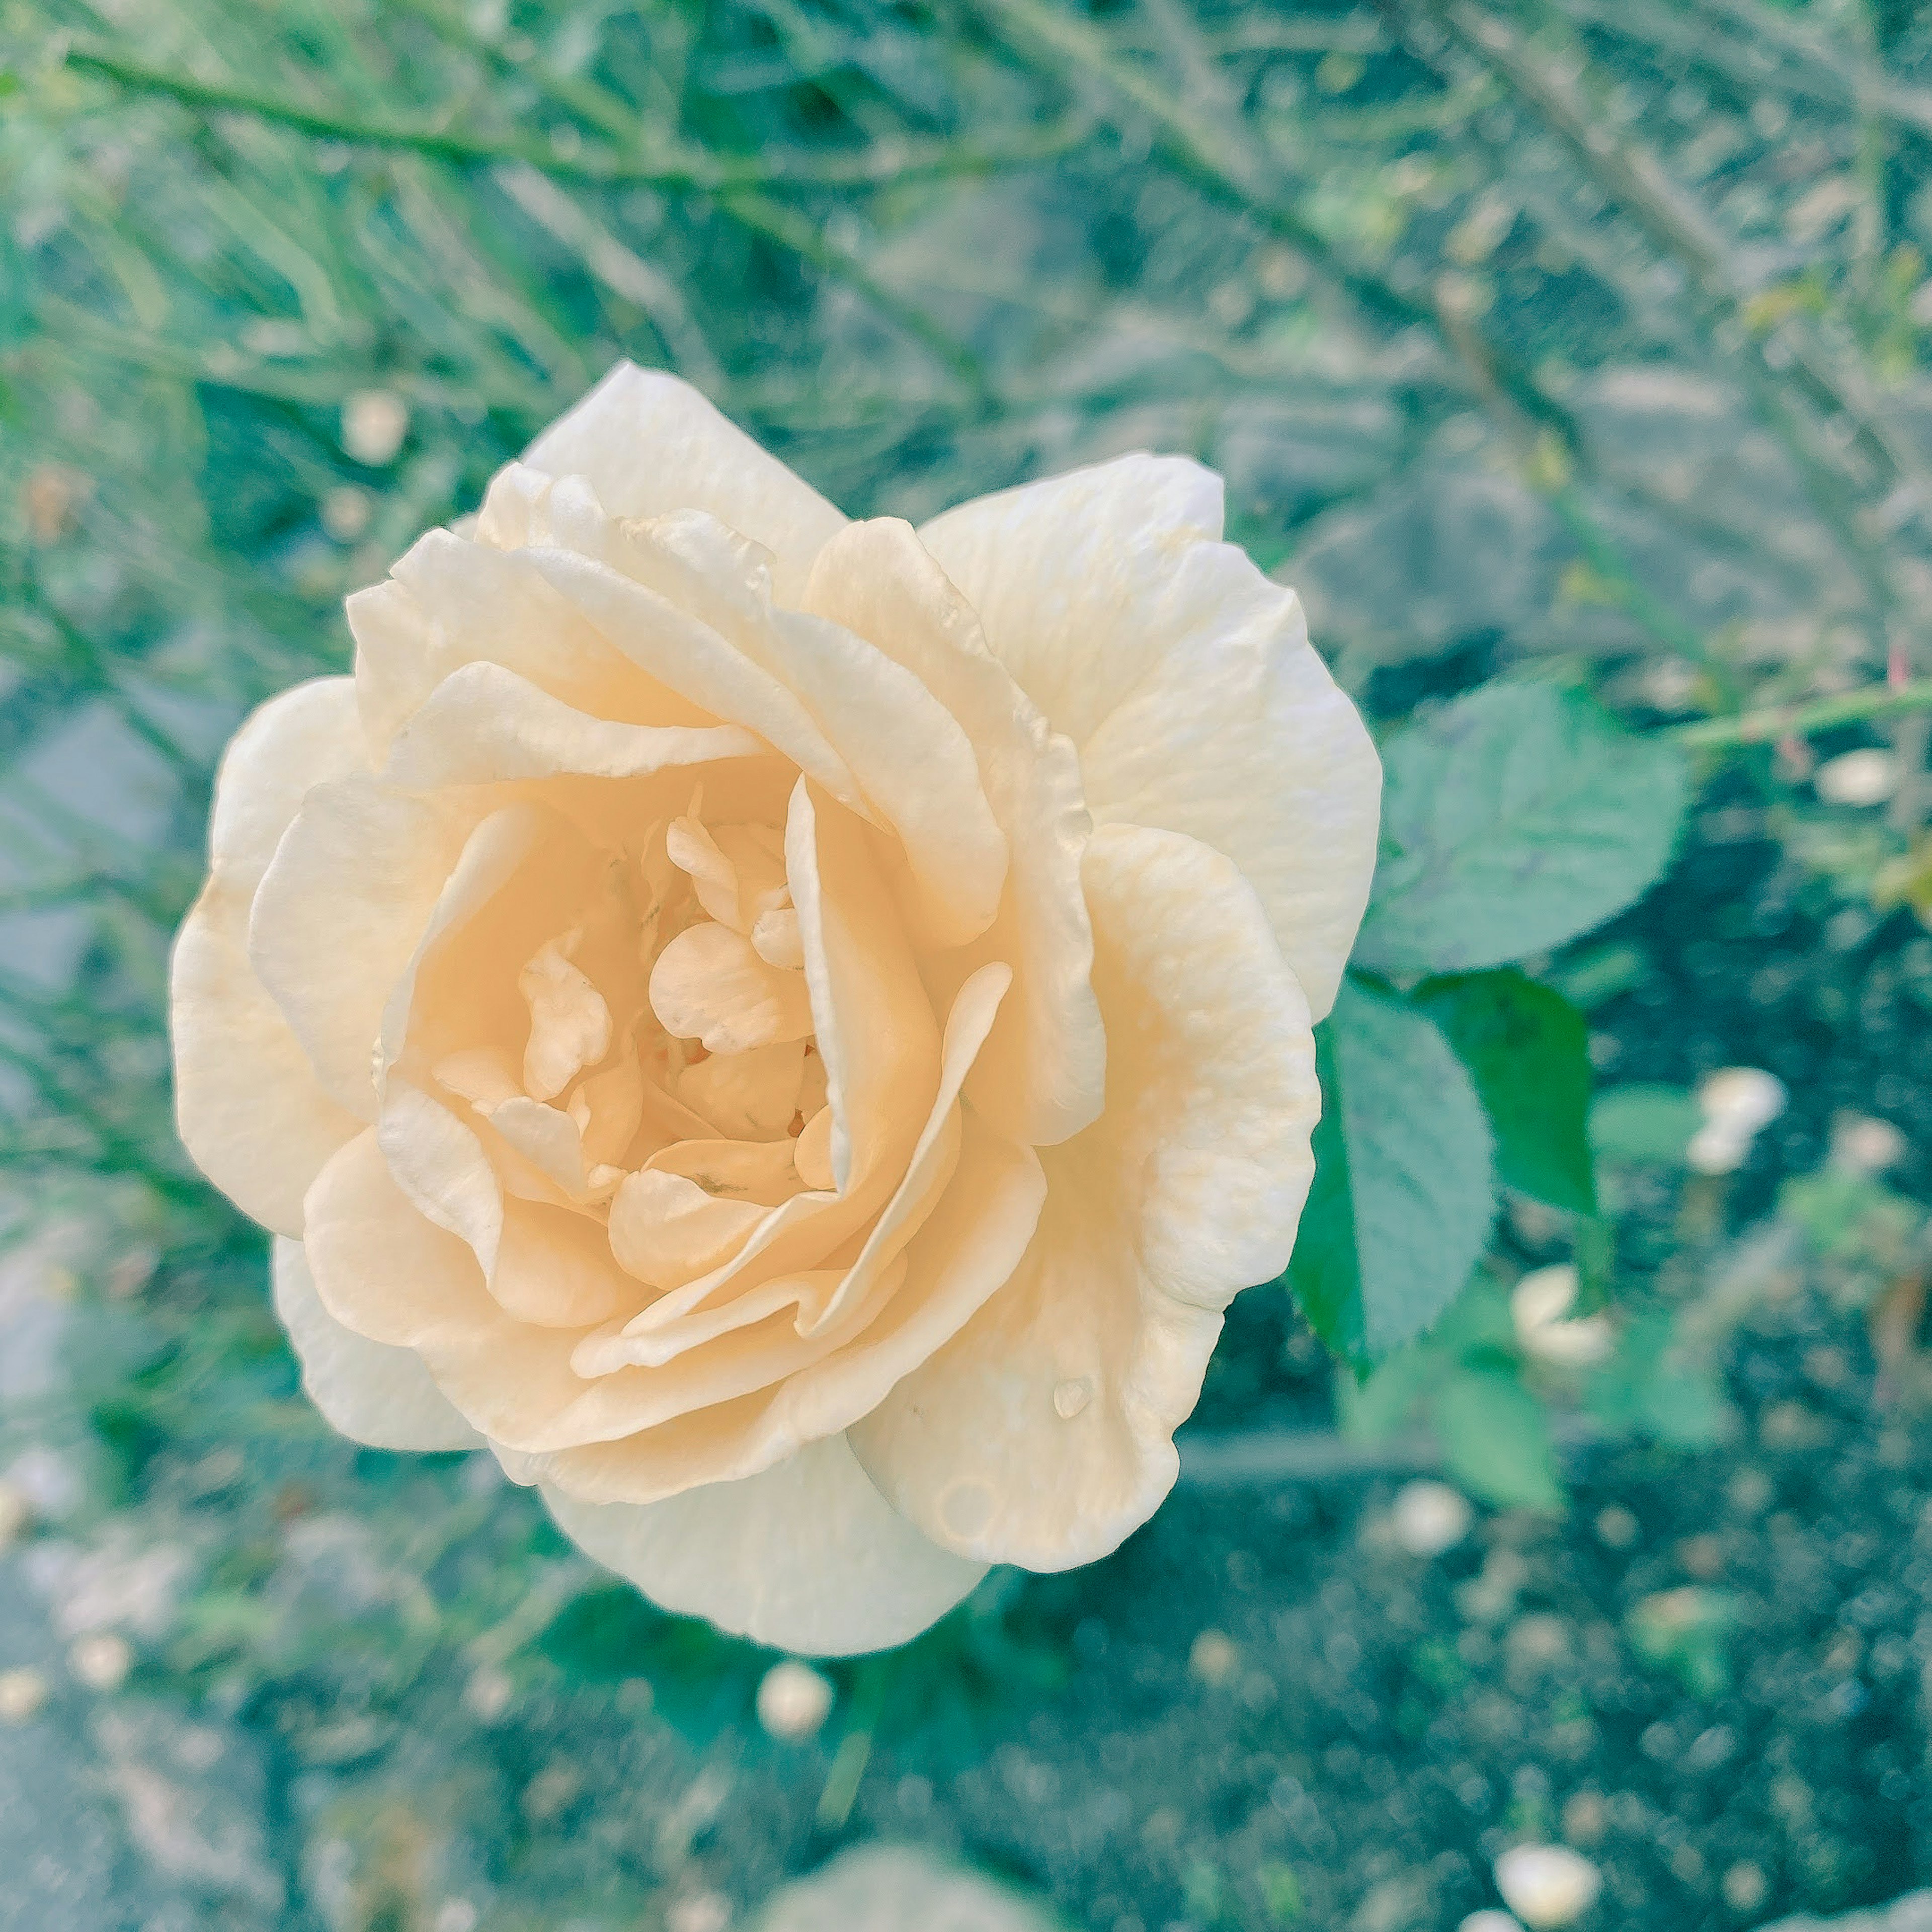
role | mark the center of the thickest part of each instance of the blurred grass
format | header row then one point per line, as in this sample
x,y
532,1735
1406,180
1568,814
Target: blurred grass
x,y
1583,337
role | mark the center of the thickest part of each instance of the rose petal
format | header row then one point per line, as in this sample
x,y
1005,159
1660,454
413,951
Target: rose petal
x,y
570,1024
338,918
1240,738
450,602
483,725
379,1396
805,1557
747,1096
384,1272
1187,680
648,444
663,638
953,1232
867,730
1068,576
1040,1076
248,1104
875,1033
708,984
667,1230
1041,1434
712,1414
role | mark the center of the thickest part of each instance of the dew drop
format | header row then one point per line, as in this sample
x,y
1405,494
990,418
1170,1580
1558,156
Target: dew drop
x,y
1072,1397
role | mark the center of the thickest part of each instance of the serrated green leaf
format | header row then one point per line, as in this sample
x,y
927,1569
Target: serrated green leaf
x,y
1528,1050
1495,1438
1404,1187
1514,820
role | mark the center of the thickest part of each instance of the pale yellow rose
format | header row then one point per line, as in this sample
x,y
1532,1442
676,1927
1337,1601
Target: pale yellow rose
x,y
790,1031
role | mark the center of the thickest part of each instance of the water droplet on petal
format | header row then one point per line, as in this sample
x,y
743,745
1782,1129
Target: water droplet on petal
x,y
1072,1397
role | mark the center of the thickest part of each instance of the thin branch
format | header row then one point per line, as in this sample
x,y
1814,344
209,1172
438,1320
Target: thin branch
x,y
1765,727
1228,171
886,164
1675,222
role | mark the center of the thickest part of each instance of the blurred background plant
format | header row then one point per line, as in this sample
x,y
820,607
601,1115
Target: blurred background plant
x,y
1571,359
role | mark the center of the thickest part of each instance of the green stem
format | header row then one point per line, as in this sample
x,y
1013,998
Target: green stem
x,y
1765,727
886,166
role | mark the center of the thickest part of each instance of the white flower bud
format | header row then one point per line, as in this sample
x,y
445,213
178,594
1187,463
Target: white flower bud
x,y
1866,777
1547,1885
794,1700
1430,1517
101,1662
23,1692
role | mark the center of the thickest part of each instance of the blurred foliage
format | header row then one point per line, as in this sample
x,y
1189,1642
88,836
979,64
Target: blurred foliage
x,y
1578,345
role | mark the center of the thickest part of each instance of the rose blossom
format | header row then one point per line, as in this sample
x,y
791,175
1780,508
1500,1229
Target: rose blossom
x,y
790,1031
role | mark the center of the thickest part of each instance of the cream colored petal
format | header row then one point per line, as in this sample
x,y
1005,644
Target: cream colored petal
x,y
708,984
760,1171
1239,737
665,639
555,1269
806,1557
338,916
747,1096
374,1394
1041,1434
712,1414
1040,1076
442,1167
483,725
667,1230
384,1271
493,856
953,1231
1187,680
776,938
737,871
570,1024
613,1101
913,766
248,1104
811,1154
450,602
548,1138
875,1031
1067,576
304,737
649,444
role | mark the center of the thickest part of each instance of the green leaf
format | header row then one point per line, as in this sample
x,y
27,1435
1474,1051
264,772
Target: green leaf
x,y
1644,1125
1528,1050
1404,1189
1514,820
1496,1438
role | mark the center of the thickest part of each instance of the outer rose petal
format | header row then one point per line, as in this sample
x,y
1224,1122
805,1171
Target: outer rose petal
x,y
339,914
372,1393
806,1556
248,1104
1066,573
1040,1077
1186,678
649,444
1041,1434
